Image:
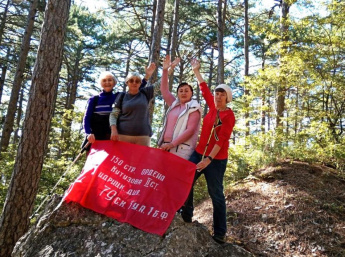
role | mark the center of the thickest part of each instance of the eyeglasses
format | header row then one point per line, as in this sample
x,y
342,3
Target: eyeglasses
x,y
134,81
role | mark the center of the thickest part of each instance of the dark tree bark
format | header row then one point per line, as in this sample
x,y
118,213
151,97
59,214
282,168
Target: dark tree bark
x,y
172,44
74,76
19,117
3,73
221,11
4,67
210,76
128,64
156,36
23,187
173,48
154,13
263,100
18,78
156,45
281,91
296,123
246,65
3,20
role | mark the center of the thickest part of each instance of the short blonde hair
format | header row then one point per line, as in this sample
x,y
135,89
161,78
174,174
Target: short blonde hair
x,y
132,75
104,74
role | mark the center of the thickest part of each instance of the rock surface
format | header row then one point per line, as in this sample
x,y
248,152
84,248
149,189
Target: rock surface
x,y
71,230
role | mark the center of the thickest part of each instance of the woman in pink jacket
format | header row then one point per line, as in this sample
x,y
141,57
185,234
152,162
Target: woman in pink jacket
x,y
182,120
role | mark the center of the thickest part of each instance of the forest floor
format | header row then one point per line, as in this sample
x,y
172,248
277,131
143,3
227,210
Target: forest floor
x,y
290,209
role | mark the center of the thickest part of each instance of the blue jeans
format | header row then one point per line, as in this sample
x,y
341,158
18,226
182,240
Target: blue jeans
x,y
214,174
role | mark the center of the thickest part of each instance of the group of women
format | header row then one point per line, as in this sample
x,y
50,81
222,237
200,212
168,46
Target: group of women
x,y
128,120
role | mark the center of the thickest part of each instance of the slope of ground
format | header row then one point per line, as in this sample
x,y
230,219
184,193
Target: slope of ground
x,y
291,209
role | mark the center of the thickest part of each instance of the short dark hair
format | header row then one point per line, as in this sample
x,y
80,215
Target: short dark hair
x,y
219,90
184,84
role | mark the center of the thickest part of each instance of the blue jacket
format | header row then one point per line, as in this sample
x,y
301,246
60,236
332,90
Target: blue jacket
x,y
96,118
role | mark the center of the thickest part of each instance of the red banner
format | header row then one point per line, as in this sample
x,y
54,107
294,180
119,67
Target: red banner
x,y
136,184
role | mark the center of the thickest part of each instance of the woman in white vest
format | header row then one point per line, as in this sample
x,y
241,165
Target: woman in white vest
x,y
182,119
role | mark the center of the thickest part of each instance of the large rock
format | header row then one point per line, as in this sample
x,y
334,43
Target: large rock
x,y
71,230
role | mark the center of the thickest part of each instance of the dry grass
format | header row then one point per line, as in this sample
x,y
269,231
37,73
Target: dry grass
x,y
292,209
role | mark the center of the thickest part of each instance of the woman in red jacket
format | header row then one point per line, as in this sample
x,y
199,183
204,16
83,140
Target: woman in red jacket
x,y
211,153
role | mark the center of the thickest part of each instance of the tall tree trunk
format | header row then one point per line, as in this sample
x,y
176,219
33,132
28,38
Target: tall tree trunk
x,y
2,80
19,203
282,87
156,36
154,15
128,64
4,67
18,78
3,73
263,113
210,76
263,100
170,34
168,51
173,48
221,12
296,112
3,20
19,117
269,112
156,45
287,115
73,77
246,66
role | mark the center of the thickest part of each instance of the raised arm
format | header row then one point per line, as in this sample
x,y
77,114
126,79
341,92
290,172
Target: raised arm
x,y
148,73
196,69
173,65
168,97
149,70
206,93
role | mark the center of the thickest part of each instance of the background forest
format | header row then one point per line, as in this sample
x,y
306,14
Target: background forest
x,y
283,59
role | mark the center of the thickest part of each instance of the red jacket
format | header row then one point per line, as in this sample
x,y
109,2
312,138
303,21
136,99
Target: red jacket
x,y
223,131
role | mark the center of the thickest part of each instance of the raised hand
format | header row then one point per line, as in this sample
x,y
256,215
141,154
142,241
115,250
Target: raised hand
x,y
196,69
195,64
175,62
166,62
149,70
